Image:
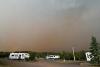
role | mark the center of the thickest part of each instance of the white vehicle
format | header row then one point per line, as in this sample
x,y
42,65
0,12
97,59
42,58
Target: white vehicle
x,y
52,57
88,56
17,56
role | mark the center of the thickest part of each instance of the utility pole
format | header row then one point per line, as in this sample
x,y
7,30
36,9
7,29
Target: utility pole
x,y
73,53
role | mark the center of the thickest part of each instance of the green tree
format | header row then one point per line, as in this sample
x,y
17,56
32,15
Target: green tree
x,y
80,55
63,55
32,55
94,49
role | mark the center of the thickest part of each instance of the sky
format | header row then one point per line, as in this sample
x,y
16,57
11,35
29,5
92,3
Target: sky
x,y
48,25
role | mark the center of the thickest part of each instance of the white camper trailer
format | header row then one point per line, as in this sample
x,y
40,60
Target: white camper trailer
x,y
52,57
17,56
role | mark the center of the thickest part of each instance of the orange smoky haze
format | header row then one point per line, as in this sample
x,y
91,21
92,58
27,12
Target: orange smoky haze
x,y
48,25
47,36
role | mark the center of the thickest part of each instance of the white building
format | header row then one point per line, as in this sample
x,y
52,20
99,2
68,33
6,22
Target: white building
x,y
21,56
52,57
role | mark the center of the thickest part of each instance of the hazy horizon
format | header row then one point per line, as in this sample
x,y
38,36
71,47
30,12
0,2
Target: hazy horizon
x,y
48,25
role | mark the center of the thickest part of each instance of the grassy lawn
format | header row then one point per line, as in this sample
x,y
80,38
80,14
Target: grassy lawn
x,y
3,63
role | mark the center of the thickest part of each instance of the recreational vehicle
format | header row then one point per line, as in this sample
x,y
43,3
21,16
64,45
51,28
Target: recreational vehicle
x,y
52,57
17,56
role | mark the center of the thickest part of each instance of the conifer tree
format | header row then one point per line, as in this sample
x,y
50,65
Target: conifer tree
x,y
94,49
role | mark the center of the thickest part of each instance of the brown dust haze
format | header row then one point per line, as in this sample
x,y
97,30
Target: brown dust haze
x,y
48,25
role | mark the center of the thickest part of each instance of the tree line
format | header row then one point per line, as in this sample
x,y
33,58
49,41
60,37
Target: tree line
x,y
36,55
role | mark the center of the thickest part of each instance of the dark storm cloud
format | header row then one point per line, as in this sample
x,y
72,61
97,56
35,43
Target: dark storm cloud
x,y
48,25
